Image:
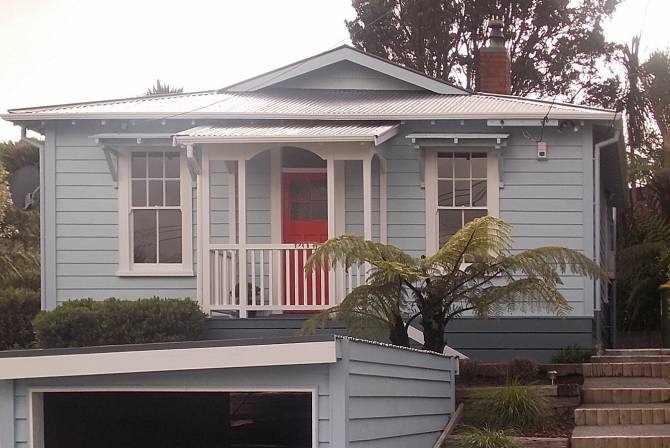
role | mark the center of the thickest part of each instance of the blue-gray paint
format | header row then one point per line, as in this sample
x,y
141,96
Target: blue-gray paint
x,y
373,396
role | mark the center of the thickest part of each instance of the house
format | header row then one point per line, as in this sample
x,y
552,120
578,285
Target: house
x,y
309,392
221,195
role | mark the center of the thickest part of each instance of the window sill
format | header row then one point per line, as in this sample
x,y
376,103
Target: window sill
x,y
140,273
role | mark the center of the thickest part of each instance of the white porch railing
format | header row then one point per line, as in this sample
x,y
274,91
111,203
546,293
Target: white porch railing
x,y
271,277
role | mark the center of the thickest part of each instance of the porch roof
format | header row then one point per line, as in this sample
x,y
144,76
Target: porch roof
x,y
288,132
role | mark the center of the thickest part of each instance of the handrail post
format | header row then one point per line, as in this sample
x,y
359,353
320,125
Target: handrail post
x,y
242,232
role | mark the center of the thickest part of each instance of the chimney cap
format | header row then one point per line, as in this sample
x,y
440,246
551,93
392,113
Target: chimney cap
x,y
496,34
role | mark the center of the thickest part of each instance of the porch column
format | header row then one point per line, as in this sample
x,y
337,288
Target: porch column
x,y
367,198
242,232
334,276
202,235
383,201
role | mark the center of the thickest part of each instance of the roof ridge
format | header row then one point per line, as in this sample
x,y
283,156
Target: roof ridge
x,y
543,101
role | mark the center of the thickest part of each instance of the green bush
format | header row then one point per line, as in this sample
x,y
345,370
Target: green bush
x,y
86,322
571,355
18,307
518,369
512,406
485,438
521,369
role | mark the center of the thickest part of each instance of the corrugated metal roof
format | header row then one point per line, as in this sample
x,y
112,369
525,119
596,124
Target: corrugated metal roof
x,y
315,105
290,132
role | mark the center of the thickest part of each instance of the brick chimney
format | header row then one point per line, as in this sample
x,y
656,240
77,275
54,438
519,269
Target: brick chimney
x,y
495,66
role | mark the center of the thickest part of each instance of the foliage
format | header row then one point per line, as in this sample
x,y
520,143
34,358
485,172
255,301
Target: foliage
x,y
517,369
521,369
554,45
162,89
18,307
571,355
485,438
19,229
438,288
512,406
86,322
644,239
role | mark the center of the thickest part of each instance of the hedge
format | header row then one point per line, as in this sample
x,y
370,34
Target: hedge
x,y
87,322
18,307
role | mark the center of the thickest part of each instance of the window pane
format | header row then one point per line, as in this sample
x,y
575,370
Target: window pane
x,y
462,193
462,166
155,193
156,165
319,210
450,223
144,236
300,211
300,190
479,193
479,165
319,190
169,236
470,215
172,165
139,193
138,165
445,165
445,193
172,193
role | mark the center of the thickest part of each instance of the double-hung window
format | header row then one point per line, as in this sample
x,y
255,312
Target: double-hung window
x,y
155,217
461,186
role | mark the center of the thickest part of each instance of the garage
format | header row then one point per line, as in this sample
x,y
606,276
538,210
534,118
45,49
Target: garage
x,y
316,392
168,419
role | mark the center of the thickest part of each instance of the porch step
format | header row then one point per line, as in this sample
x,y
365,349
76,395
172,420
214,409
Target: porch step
x,y
627,369
627,359
622,414
625,390
621,436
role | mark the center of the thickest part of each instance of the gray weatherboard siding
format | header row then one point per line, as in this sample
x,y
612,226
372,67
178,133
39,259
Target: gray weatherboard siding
x,y
547,203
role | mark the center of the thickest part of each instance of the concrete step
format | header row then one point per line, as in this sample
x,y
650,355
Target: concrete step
x,y
627,369
622,414
625,390
621,436
628,359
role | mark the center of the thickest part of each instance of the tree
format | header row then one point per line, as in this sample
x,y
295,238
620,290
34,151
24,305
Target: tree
x,y
162,89
475,271
554,44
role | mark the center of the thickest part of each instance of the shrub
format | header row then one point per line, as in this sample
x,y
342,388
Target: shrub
x,y
571,355
512,406
86,322
520,369
485,438
18,307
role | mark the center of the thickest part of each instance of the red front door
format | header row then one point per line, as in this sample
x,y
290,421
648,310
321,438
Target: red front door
x,y
305,220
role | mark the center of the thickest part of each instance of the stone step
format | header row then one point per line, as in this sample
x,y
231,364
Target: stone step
x,y
629,359
627,369
625,390
621,436
622,414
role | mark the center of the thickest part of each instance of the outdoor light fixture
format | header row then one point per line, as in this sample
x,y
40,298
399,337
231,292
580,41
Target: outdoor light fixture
x,y
552,376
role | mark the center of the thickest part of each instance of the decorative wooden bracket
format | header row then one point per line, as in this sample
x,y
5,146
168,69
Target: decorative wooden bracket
x,y
110,155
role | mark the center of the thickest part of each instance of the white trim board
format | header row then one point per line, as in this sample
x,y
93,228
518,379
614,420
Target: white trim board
x,y
167,360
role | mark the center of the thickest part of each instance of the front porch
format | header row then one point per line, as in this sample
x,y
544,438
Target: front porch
x,y
264,203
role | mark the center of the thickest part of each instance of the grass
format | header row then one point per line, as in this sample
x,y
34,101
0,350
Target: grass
x,y
512,406
485,438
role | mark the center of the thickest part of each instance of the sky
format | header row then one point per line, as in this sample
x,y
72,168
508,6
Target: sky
x,y
61,51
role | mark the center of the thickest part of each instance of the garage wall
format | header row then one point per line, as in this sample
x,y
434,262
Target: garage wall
x,y
299,377
396,397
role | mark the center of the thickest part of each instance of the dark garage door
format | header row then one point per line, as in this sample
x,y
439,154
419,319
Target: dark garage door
x,y
176,419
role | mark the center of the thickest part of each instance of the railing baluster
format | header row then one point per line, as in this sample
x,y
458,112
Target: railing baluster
x,y
253,277
315,299
217,275
287,270
323,273
234,280
296,279
262,266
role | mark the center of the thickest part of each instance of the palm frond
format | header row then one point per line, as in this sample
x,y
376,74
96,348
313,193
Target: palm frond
x,y
347,250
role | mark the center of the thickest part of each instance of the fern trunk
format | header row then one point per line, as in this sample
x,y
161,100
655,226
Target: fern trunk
x,y
398,333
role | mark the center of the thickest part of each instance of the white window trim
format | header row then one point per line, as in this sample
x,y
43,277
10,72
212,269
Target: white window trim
x,y
432,214
126,266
